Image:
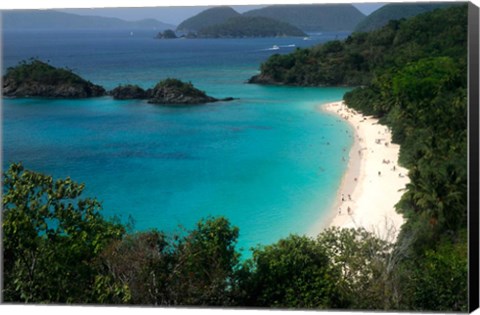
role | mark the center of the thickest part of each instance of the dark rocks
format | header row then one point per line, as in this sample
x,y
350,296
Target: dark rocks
x,y
262,79
176,92
167,34
128,92
35,89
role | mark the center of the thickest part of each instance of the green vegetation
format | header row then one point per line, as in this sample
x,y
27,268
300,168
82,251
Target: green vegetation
x,y
209,17
51,237
59,249
313,18
220,22
39,71
37,78
175,92
128,92
365,57
182,87
250,27
396,11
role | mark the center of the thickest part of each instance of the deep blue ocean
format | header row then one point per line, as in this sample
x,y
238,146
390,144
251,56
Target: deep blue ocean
x,y
269,161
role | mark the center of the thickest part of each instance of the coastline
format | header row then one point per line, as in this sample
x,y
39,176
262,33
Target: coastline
x,y
373,182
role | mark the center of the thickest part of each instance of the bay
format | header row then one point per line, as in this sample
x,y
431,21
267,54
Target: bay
x,y
269,161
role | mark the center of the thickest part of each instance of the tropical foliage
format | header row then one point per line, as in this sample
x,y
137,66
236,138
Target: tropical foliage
x,y
36,78
364,57
59,249
39,71
51,237
396,11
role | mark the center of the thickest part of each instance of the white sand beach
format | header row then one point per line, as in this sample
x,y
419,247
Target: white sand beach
x,y
373,182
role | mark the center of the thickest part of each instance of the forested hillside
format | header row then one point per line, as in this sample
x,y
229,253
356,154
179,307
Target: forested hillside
x,y
313,17
242,26
362,56
397,11
209,17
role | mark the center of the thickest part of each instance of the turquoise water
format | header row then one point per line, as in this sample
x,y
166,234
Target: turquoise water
x,y
270,161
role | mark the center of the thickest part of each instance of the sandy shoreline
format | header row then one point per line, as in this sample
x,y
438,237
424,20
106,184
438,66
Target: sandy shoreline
x,y
373,182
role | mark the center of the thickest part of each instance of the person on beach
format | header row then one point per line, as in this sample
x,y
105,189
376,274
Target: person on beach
x,y
349,198
379,173
349,210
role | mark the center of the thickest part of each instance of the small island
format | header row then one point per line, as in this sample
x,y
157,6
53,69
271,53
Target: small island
x,y
167,92
39,79
167,34
128,92
175,92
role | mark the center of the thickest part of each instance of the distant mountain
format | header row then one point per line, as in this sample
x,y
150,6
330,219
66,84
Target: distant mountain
x,y
397,11
315,17
209,17
50,19
242,26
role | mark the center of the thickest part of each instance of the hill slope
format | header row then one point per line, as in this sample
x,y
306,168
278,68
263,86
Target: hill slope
x,y
50,19
39,79
312,18
242,26
207,18
355,60
396,11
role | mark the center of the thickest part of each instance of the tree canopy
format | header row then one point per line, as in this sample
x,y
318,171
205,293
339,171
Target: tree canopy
x,y
363,57
59,249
